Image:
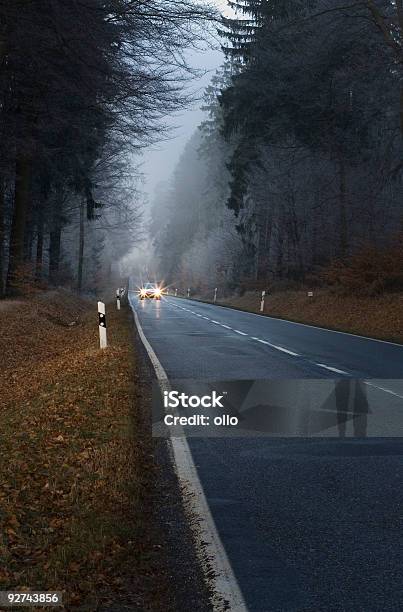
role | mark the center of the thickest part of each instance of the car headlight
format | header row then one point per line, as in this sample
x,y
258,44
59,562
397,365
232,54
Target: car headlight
x,y
143,292
158,291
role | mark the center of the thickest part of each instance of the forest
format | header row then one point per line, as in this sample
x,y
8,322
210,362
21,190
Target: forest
x,y
84,87
295,176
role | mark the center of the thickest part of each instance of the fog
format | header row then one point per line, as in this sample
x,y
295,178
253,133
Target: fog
x,y
159,161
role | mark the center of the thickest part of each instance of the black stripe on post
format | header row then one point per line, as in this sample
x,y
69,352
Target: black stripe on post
x,y
102,319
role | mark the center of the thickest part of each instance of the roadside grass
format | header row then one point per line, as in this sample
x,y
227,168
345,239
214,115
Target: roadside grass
x,y
76,459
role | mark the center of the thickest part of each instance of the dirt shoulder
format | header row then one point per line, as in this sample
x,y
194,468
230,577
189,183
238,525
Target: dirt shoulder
x,y
377,317
80,488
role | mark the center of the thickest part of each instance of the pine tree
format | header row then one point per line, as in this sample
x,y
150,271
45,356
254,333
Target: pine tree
x,y
304,81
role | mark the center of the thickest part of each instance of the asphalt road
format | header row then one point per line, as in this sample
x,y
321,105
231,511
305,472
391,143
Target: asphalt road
x,y
308,524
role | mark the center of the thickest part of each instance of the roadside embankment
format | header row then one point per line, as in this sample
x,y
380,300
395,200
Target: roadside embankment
x,y
76,464
378,317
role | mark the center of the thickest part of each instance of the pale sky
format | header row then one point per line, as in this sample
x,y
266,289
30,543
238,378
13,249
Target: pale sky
x,y
160,160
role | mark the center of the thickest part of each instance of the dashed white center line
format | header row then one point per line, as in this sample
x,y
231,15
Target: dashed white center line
x,y
279,348
335,370
284,350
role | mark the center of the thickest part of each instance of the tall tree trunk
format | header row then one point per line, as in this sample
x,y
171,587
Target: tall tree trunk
x,y
315,224
3,45
39,248
267,243
81,249
2,267
343,207
21,205
401,110
263,241
280,256
257,255
28,240
54,249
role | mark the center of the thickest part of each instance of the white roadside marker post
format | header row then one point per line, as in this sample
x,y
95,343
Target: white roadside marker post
x,y
262,301
310,293
176,292
215,294
102,325
118,299
188,293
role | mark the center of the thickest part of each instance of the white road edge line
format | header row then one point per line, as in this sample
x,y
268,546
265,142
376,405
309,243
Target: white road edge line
x,y
226,585
241,333
336,370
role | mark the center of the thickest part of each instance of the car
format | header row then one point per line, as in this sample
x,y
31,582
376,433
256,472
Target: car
x,y
150,290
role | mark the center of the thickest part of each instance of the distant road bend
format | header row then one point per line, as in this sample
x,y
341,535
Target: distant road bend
x,y
307,525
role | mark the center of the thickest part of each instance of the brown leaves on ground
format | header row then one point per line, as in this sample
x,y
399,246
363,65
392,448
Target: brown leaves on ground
x,y
28,328
74,455
371,271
